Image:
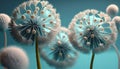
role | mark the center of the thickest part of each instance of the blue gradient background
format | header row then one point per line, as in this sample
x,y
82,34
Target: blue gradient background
x,y
67,10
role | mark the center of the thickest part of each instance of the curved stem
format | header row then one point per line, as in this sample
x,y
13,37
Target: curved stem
x,y
5,39
118,55
37,55
92,60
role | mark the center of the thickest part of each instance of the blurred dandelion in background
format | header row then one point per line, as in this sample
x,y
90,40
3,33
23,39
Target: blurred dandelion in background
x,y
34,21
13,57
60,53
91,31
112,10
4,22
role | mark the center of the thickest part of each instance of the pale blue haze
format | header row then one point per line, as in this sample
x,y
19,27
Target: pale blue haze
x,y
67,10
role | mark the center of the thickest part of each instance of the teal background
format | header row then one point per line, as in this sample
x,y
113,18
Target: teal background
x,y
67,10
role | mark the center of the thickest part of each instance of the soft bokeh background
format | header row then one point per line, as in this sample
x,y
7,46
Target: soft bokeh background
x,y
67,9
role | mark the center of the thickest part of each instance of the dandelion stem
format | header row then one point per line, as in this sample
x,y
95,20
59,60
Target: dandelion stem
x,y
37,55
5,39
118,54
92,60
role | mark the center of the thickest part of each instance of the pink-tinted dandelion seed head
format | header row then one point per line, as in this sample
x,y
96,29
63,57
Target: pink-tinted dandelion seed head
x,y
14,58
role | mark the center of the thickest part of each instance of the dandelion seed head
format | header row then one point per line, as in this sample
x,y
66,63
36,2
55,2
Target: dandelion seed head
x,y
61,53
112,10
4,21
91,31
37,19
13,58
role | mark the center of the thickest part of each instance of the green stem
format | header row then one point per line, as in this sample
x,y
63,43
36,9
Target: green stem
x,y
92,60
37,55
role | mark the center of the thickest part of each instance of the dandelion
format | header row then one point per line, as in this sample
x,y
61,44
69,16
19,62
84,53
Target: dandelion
x,y
112,10
4,21
60,52
13,58
115,22
34,18
91,32
34,21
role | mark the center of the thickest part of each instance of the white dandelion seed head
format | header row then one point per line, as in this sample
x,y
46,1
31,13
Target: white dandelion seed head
x,y
92,31
39,17
4,21
61,53
112,10
14,58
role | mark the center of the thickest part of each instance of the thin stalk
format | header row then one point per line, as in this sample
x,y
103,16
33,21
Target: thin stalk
x,y
118,55
5,39
92,60
37,55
